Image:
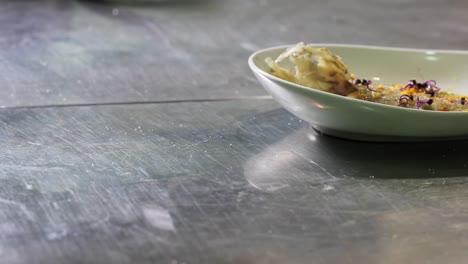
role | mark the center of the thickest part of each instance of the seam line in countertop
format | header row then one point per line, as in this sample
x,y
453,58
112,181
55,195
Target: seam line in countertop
x,y
253,98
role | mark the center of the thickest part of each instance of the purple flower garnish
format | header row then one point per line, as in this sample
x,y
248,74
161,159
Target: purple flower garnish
x,y
463,101
431,84
411,83
365,83
423,101
431,87
404,99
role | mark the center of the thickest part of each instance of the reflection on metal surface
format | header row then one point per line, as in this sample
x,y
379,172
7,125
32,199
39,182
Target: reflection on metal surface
x,y
312,137
396,160
340,158
284,163
262,170
158,217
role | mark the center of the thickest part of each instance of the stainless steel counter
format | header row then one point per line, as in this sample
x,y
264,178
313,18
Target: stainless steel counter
x,y
206,168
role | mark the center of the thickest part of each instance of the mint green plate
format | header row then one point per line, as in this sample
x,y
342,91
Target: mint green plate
x,y
361,120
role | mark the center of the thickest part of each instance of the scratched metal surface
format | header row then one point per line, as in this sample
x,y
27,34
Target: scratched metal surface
x,y
233,182
214,182
63,51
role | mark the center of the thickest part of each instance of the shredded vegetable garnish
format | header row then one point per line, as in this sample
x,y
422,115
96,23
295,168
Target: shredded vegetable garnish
x,y
410,84
431,87
405,99
420,102
365,83
319,68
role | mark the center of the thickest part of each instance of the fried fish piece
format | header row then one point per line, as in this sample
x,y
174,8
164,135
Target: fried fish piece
x,y
317,68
